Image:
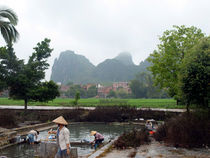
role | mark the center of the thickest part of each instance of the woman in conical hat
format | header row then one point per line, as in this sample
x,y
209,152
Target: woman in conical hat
x,y
60,120
99,138
62,138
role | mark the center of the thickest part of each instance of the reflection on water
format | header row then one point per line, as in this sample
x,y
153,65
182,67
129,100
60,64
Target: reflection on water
x,y
19,151
78,132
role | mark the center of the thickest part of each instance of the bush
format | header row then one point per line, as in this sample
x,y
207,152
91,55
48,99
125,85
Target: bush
x,y
112,113
8,119
134,139
187,130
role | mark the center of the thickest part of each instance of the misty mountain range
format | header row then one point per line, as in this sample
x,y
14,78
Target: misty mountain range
x,y
71,67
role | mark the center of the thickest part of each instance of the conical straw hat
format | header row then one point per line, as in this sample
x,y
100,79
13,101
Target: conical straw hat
x,y
92,133
60,120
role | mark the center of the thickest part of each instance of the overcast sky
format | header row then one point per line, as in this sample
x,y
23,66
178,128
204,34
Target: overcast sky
x,y
101,29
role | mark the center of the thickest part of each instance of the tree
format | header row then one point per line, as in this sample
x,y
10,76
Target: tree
x,y
112,94
122,93
195,75
91,92
142,87
76,98
8,21
74,89
10,65
25,80
166,60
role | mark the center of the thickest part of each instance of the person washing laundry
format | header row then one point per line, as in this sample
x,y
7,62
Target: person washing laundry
x,y
62,136
99,138
31,135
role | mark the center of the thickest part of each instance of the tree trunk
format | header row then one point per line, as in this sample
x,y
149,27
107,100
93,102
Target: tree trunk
x,y
25,103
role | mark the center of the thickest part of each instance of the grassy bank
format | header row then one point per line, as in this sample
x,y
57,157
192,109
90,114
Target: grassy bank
x,y
93,102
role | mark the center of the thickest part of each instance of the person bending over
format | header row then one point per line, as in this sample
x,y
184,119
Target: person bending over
x,y
99,138
31,135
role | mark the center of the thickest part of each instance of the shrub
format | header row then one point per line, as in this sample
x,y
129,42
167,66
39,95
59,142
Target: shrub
x,y
187,130
112,113
7,119
134,139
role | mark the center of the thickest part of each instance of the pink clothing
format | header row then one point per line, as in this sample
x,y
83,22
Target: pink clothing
x,y
98,136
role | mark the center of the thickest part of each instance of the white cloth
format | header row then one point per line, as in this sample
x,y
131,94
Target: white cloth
x,y
64,138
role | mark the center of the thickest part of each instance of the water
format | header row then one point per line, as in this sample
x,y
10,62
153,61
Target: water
x,y
78,132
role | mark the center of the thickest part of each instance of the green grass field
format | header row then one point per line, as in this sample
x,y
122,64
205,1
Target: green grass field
x,y
93,102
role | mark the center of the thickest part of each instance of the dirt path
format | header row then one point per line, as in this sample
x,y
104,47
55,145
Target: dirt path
x,y
157,150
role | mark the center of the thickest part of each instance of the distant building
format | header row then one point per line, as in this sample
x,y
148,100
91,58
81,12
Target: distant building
x,y
64,88
121,85
104,91
87,86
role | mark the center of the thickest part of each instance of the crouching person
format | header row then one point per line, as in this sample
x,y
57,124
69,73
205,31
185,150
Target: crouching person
x,y
62,136
31,135
99,138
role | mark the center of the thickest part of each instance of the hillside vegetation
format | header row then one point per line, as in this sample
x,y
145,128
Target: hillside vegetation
x,y
71,67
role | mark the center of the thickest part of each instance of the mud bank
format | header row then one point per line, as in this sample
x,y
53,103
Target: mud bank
x,y
11,117
157,150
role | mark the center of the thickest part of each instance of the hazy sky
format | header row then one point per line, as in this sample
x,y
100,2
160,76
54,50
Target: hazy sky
x,y
100,29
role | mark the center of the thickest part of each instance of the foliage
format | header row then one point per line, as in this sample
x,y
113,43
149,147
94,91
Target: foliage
x,y
134,139
112,94
142,87
8,21
77,97
10,65
166,60
74,89
25,80
8,119
187,130
119,93
195,75
90,92
112,114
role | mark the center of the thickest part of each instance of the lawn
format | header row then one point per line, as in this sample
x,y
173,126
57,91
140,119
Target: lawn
x,y
93,102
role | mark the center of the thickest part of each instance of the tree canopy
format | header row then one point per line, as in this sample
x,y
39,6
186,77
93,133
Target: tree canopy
x,y
8,21
195,75
142,87
25,80
167,59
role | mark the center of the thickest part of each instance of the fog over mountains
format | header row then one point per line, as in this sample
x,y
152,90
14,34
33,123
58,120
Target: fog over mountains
x,y
71,67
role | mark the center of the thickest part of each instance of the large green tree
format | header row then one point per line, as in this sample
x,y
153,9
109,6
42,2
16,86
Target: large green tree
x,y
10,65
25,80
8,21
166,60
195,75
